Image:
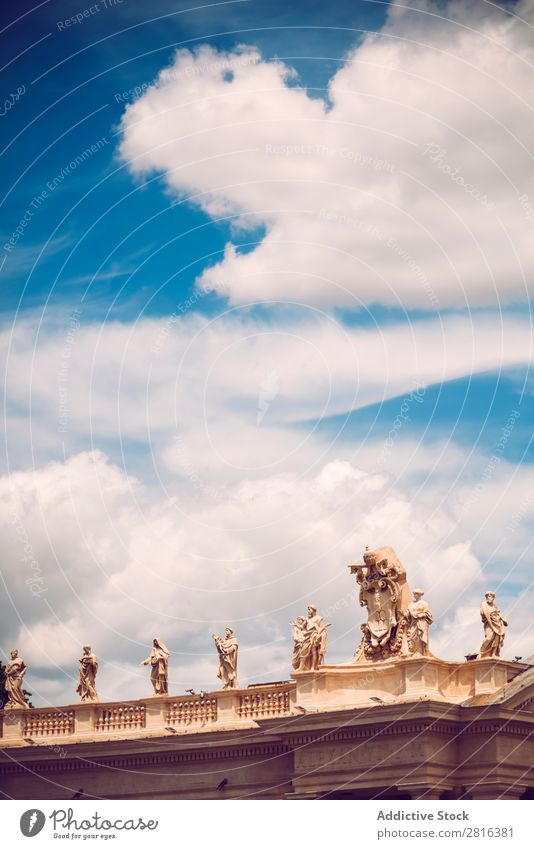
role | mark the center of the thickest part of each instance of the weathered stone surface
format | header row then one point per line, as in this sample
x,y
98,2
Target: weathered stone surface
x,y
158,659
433,727
310,636
14,682
87,676
494,625
227,649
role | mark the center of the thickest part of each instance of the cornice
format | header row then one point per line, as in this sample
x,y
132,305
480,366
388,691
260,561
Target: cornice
x,y
154,758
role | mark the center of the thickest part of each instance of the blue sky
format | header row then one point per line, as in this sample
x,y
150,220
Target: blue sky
x,y
102,240
223,287
77,82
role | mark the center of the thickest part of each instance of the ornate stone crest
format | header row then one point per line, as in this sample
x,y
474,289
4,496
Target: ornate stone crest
x,y
385,593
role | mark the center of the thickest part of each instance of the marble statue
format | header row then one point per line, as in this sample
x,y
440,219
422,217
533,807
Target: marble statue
x,y
87,676
385,593
299,630
159,661
14,672
310,638
494,625
418,618
227,649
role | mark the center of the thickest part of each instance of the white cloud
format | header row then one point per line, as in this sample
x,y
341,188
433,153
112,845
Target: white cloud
x,y
246,512
118,565
251,521
413,186
462,633
191,390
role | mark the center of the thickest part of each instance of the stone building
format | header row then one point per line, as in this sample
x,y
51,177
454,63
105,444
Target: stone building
x,y
394,723
411,728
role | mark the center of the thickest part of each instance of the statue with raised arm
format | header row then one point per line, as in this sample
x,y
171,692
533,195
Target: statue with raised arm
x,y
494,625
311,649
14,672
227,650
418,618
159,661
87,676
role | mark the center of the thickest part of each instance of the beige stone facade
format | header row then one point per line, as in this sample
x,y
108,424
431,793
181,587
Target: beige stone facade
x,y
405,728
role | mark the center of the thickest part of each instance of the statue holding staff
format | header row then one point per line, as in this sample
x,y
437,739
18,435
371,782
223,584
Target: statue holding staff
x,y
494,625
14,672
159,661
227,650
87,676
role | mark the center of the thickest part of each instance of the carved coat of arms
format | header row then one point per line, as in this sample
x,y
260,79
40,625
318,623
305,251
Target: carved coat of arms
x,y
385,593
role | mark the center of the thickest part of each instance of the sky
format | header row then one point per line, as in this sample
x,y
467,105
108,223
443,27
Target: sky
x,y
267,274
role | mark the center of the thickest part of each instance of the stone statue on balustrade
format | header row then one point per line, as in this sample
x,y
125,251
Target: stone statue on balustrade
x,y
385,594
309,641
87,676
418,619
299,630
227,650
158,659
14,672
494,625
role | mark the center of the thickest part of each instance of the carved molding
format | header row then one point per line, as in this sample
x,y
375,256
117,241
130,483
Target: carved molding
x,y
157,758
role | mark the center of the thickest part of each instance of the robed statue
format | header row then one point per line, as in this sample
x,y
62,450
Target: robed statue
x,y
87,676
14,672
418,618
494,625
227,650
299,631
158,659
309,641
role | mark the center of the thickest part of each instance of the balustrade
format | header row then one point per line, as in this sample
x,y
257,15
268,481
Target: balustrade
x,y
155,715
120,717
258,703
52,723
189,711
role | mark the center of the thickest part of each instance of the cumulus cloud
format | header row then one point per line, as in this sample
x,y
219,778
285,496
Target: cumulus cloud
x,y
410,183
92,555
195,487
250,519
